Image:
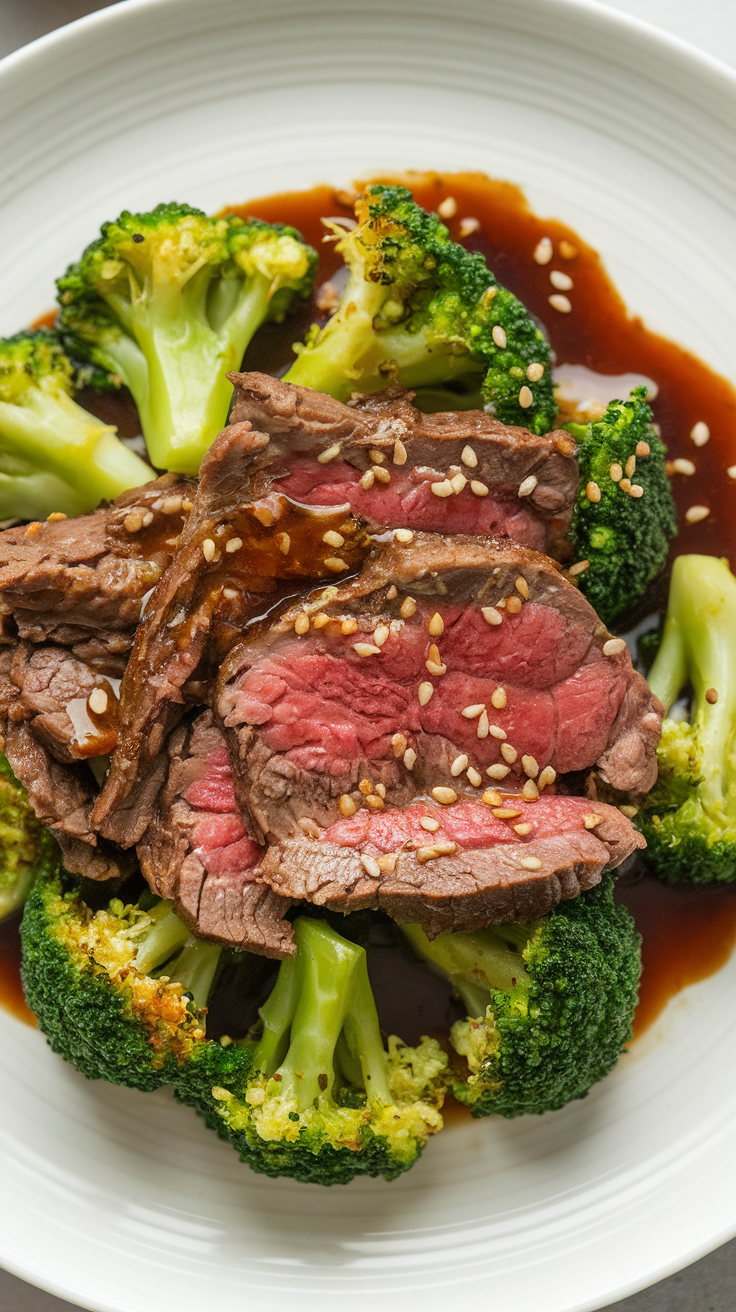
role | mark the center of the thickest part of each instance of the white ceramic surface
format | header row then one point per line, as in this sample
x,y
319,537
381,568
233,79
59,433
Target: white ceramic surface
x,y
122,1201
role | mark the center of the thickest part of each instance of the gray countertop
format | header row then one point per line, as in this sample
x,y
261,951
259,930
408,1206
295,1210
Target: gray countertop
x,y
709,1285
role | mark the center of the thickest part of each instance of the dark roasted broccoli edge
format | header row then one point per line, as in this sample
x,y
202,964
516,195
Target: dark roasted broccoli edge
x,y
550,1006
689,817
624,517
421,311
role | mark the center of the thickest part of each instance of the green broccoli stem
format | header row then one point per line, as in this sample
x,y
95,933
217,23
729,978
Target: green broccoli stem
x,y
184,398
277,1014
26,495
195,969
162,934
475,964
48,428
699,645
362,1033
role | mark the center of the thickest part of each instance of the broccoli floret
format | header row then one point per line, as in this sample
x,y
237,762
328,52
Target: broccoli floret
x,y
421,311
625,534
689,817
318,1098
119,992
26,846
550,1005
54,456
169,300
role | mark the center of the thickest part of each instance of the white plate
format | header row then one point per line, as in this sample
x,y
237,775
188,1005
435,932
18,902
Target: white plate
x,y
122,1201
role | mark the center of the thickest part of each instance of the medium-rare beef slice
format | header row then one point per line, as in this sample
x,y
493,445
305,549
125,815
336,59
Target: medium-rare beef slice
x,y
81,582
196,851
463,472
446,663
235,556
39,740
456,867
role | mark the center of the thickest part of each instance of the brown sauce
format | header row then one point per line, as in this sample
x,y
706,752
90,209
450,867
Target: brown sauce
x,y
688,934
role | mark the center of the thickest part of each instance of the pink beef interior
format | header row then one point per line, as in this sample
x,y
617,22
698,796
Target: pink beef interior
x,y
322,706
409,502
218,835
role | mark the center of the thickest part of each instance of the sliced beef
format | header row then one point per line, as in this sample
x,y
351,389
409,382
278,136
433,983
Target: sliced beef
x,y
81,582
447,662
196,851
390,461
48,732
455,867
236,557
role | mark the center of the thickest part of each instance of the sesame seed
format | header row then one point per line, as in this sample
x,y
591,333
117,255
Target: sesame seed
x,y
509,753
562,281
408,607
579,567
527,485
731,471
700,433
370,865
530,863
424,693
696,513
567,250
367,480
458,766
711,696
366,649
513,605
438,849
681,466
529,766
349,626
283,541
233,545
496,731
560,303
445,796
642,448
498,698
483,728
333,539
443,489
392,592
346,806
543,251
56,515
497,771
499,336
629,811
506,813
97,701
336,564
376,456
636,490
522,587
616,472
472,712
479,489
208,549
523,829
625,484
399,452
398,745
410,758
382,475
186,505
264,515
324,457
491,615
301,623
147,518
526,397
630,466
547,776
614,647
534,372
133,522
530,792
468,457
230,594
447,209
171,505
380,634
365,786
474,777
434,660
458,482
429,823
375,801
436,625
387,862
491,797
466,227
591,820
593,492
309,827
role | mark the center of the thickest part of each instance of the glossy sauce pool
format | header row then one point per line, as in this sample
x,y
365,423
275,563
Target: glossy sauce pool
x,y
688,934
